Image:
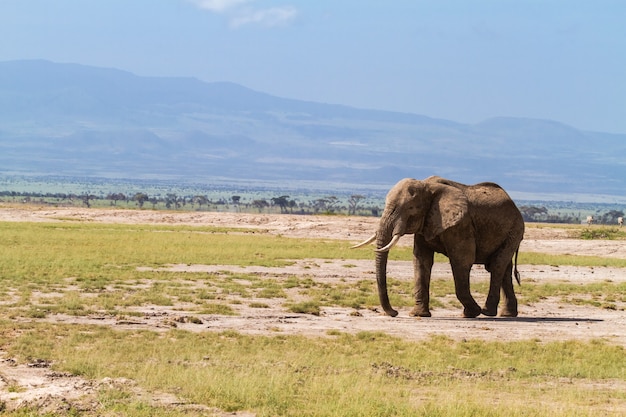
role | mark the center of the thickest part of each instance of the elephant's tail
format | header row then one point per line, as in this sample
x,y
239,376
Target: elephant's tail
x,y
516,272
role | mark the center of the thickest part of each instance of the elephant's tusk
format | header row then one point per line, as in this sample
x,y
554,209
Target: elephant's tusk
x,y
365,242
390,245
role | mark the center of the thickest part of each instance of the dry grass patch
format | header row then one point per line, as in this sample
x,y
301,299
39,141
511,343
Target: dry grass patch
x,y
344,375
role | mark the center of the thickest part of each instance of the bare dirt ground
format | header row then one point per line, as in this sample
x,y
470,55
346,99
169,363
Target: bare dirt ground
x,y
547,320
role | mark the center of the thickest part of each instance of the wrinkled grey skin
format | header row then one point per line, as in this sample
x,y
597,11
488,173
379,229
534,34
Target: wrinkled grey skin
x,y
477,224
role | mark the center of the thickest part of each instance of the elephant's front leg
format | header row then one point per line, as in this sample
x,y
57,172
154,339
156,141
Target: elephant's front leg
x,y
423,260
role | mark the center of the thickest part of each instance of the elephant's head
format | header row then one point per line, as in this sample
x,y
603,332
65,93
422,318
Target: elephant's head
x,y
414,207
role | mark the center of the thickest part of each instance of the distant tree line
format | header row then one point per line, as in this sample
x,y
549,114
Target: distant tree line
x,y
170,201
355,204
532,213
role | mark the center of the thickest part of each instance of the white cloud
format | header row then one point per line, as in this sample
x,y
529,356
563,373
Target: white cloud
x,y
275,16
240,14
218,6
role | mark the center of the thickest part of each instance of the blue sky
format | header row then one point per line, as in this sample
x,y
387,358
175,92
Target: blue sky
x,y
463,60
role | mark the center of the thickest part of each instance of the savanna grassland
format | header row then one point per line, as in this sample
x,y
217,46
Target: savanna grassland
x,y
142,313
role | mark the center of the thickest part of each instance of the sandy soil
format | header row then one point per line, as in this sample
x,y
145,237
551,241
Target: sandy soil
x,y
546,320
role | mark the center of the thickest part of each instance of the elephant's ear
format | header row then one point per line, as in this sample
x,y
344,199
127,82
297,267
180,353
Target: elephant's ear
x,y
448,208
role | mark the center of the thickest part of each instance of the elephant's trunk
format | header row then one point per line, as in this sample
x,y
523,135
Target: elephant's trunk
x,y
383,239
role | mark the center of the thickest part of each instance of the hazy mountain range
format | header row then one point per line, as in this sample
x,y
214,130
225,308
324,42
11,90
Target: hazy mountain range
x,y
75,120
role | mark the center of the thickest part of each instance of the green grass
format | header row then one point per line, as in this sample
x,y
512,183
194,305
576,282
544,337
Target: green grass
x,y
305,307
603,233
82,268
534,258
95,252
102,260
598,294
339,375
100,249
363,293
98,262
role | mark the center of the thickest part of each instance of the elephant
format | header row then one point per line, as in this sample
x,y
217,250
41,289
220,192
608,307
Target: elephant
x,y
470,224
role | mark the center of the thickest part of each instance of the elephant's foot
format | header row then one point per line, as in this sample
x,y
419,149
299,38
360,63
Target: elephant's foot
x,y
508,313
419,311
509,309
491,312
472,311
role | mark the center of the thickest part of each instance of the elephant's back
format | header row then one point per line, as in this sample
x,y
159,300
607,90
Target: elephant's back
x,y
495,217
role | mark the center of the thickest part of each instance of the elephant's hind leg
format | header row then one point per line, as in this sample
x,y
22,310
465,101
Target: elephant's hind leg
x,y
501,281
495,283
509,309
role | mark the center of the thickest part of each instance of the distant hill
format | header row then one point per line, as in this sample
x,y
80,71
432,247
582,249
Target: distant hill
x,y
75,120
